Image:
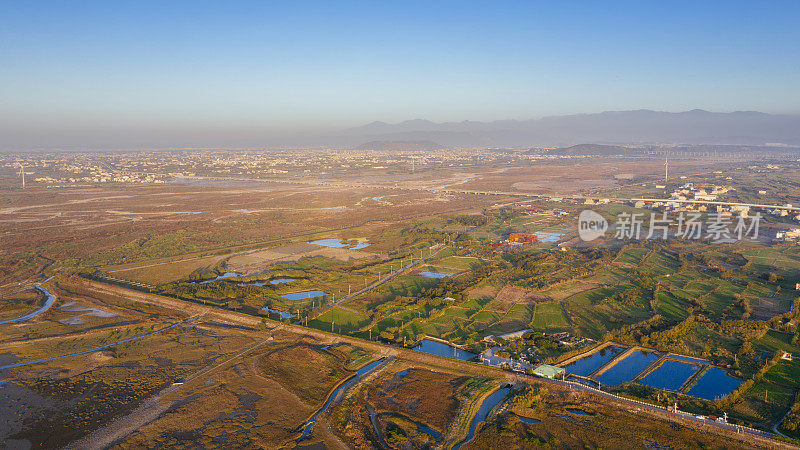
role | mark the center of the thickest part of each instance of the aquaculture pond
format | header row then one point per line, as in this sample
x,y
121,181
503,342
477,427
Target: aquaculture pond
x,y
437,275
304,295
689,359
714,384
628,368
440,349
588,364
483,412
670,375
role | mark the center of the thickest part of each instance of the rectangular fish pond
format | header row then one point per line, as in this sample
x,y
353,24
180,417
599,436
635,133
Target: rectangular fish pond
x,y
670,375
588,364
628,368
714,384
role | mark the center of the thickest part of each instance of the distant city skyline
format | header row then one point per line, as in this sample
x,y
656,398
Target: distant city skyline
x,y
154,73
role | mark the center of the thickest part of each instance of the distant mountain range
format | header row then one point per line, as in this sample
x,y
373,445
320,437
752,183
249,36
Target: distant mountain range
x,y
618,127
399,145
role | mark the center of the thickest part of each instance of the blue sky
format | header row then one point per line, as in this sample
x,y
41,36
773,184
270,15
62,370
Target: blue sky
x,y
69,67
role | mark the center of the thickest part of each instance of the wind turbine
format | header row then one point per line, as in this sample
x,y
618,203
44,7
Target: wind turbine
x,y
666,167
22,174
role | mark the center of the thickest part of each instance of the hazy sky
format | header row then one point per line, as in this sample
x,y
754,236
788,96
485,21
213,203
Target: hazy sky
x,y
68,69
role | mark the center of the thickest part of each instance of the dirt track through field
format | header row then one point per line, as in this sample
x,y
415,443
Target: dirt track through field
x,y
150,410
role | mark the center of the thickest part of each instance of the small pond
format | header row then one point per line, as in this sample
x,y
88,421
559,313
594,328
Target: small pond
x,y
222,277
548,237
441,349
528,420
339,243
283,314
330,242
437,275
304,295
274,281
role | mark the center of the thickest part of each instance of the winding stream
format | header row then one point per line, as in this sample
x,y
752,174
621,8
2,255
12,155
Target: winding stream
x,y
483,412
344,386
47,304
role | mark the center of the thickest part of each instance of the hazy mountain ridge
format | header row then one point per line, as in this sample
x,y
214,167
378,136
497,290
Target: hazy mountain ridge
x,y
399,145
611,127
